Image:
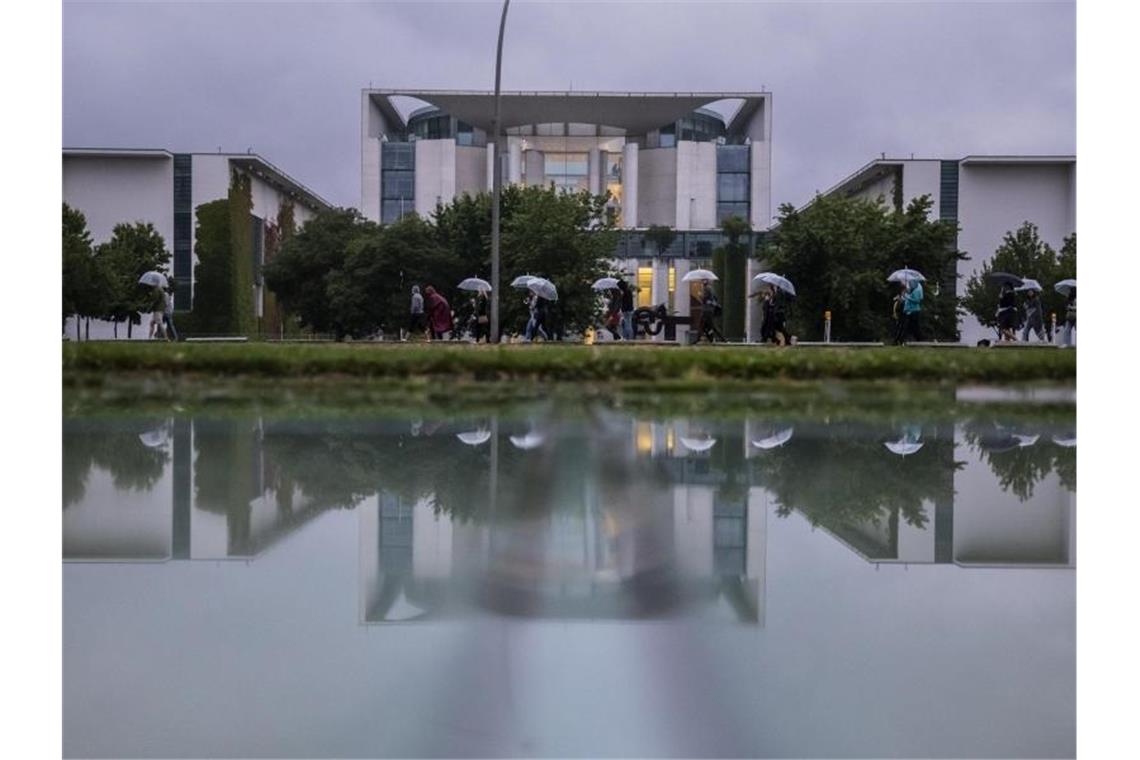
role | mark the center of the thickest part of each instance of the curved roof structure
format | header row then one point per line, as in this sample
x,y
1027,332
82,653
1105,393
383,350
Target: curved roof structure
x,y
636,112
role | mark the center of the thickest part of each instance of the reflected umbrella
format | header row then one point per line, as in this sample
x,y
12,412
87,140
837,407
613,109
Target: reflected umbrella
x,y
903,448
774,441
1068,441
698,444
1025,440
474,437
531,440
157,438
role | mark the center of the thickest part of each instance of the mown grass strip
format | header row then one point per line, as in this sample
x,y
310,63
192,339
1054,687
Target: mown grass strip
x,y
573,363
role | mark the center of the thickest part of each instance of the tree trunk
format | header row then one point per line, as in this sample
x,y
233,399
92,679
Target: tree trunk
x,y
115,328
77,327
130,324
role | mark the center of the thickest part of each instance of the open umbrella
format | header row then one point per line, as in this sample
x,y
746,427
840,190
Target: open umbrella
x,y
474,437
474,283
1068,441
698,444
543,288
906,275
521,281
154,280
1064,286
776,281
774,441
605,283
155,439
1001,278
699,274
904,447
1025,440
531,440
1029,284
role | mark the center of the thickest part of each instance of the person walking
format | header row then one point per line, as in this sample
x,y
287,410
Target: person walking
x,y
1070,318
482,328
156,330
897,314
912,310
626,309
775,319
710,307
438,314
168,315
1034,317
612,319
1007,313
416,314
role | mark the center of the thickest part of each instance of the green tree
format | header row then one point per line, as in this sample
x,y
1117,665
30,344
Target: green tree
x,y
133,250
212,273
838,251
300,272
371,290
84,282
734,288
1022,252
660,237
240,206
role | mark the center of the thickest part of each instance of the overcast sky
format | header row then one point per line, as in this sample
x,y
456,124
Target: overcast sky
x,y
850,80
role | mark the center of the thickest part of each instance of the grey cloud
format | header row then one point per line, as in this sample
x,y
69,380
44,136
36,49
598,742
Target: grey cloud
x,y
849,80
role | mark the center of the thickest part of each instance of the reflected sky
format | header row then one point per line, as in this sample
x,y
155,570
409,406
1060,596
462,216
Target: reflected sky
x,y
538,581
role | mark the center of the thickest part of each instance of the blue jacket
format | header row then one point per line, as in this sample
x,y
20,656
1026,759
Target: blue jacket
x,y
912,301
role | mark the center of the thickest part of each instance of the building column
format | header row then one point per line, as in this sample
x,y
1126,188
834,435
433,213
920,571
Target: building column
x,y
514,164
629,185
535,168
490,167
594,172
681,299
752,312
660,286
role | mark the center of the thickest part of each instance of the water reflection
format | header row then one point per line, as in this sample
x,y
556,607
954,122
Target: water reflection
x,y
608,515
544,581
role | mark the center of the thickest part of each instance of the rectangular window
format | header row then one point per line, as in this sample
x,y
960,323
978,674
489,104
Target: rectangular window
x,y
644,286
398,156
581,130
725,210
732,188
399,184
183,231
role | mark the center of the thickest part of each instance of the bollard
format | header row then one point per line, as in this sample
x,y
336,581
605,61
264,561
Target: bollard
x,y
827,326
1053,325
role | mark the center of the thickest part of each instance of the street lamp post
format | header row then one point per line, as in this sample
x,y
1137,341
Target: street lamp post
x,y
497,182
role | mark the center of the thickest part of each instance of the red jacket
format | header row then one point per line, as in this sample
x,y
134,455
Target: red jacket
x,y
439,312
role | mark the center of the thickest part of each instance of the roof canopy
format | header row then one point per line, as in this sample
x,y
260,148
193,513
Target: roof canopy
x,y
636,112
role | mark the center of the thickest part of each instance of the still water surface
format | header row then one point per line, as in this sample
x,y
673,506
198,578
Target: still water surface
x,y
545,581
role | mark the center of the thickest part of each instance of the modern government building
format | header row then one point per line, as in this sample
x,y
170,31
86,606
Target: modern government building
x,y
683,160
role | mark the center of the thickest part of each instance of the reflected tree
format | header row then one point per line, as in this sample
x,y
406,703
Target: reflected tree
x,y
115,446
1021,457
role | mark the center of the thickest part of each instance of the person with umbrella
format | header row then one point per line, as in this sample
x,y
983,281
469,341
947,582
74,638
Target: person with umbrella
x,y
626,309
1070,314
168,314
911,309
1034,313
710,307
1007,313
534,325
481,317
438,314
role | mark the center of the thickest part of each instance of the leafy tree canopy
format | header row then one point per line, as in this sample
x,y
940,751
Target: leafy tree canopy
x,y
838,252
1022,252
133,250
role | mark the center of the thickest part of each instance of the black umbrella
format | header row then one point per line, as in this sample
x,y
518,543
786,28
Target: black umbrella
x,y
1001,278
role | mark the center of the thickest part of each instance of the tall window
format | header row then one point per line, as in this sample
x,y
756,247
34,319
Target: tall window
x,y
397,180
569,172
733,182
644,286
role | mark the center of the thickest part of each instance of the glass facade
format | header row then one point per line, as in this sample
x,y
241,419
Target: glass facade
x,y
183,231
569,172
733,182
644,286
397,180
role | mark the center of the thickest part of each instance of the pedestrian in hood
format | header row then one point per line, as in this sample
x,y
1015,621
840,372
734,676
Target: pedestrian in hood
x,y
438,314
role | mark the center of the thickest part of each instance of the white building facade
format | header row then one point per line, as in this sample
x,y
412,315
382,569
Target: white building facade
x,y
671,159
114,186
987,196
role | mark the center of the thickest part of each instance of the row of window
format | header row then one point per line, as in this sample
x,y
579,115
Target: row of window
x,y
397,180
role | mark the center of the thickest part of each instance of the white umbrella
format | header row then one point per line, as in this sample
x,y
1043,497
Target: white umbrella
x,y
774,441
1025,440
155,439
906,275
776,281
699,274
1066,441
521,281
1064,286
904,447
154,280
543,287
402,609
474,283
605,283
698,444
1028,284
474,437
531,440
